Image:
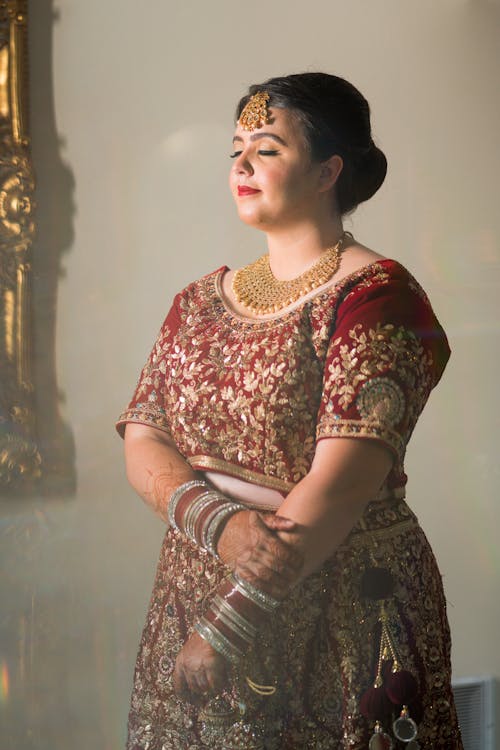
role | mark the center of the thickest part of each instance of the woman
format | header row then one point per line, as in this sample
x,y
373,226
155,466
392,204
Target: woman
x,y
269,426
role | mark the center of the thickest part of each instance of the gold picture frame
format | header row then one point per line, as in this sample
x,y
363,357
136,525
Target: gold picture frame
x,y
20,461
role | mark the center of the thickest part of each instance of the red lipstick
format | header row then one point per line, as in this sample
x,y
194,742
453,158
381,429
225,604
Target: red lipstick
x,y
244,190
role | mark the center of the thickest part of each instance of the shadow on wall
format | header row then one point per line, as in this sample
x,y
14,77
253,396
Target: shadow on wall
x,y
54,192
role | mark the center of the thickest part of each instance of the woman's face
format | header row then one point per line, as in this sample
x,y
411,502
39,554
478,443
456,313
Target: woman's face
x,y
273,181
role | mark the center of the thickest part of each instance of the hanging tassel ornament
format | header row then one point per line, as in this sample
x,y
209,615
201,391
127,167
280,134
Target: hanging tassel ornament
x,y
401,686
375,703
393,685
405,728
379,739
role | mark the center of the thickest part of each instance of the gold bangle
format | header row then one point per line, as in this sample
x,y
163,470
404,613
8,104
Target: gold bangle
x,y
260,689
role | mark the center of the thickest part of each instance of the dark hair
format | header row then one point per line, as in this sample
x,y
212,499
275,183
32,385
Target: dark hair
x,y
336,120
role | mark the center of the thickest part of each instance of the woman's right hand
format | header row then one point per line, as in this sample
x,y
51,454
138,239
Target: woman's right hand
x,y
250,546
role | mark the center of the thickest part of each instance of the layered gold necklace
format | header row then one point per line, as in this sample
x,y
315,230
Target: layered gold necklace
x,y
256,287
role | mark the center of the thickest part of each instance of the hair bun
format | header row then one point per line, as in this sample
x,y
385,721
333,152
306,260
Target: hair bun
x,y
368,174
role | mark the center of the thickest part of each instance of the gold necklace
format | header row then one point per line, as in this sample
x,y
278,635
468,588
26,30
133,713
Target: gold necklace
x,y
256,288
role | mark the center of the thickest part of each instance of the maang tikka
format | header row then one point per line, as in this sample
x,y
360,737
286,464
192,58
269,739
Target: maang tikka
x,y
255,113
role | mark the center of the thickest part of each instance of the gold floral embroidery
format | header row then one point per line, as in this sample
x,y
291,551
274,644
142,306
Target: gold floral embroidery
x,y
145,414
257,395
381,400
375,273
387,358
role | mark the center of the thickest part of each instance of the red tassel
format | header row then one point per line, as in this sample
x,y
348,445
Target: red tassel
x,y
374,703
401,687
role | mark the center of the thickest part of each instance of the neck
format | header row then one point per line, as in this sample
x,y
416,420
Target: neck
x,y
293,250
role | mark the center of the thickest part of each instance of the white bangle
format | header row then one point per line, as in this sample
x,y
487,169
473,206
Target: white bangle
x,y
177,495
248,590
213,525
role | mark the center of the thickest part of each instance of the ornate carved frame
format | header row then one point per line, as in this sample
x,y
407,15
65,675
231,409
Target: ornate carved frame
x,y
20,462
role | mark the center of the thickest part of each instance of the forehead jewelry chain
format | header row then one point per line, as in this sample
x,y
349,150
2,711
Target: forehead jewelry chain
x,y
255,112
256,288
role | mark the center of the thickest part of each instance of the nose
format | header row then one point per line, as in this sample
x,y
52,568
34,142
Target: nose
x,y
242,164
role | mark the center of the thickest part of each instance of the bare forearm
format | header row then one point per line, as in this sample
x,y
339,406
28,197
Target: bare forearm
x,y
329,501
329,518
154,466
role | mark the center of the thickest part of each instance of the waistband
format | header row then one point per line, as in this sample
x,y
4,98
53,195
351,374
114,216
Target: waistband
x,y
383,519
218,465
386,498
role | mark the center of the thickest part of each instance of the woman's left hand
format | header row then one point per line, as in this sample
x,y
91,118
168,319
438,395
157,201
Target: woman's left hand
x,y
199,671
252,546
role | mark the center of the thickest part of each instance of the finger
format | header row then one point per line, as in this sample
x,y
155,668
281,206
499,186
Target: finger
x,y
193,694
217,678
272,566
256,524
277,556
179,683
284,557
279,523
183,678
202,683
264,540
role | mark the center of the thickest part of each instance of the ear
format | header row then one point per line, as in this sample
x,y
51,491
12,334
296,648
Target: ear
x,y
330,171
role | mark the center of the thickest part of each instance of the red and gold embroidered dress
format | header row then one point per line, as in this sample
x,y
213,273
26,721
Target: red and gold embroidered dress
x,y
250,399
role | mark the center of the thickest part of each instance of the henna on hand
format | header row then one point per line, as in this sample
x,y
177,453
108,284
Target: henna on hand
x,y
199,671
251,547
162,483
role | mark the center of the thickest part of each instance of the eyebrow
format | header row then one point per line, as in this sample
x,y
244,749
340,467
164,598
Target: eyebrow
x,y
258,136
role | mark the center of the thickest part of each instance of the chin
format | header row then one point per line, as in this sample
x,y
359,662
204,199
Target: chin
x,y
257,219
250,218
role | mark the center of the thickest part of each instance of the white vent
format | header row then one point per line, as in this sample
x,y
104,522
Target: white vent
x,y
476,698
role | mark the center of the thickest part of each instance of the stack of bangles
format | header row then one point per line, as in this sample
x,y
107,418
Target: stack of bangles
x,y
200,512
238,608
236,613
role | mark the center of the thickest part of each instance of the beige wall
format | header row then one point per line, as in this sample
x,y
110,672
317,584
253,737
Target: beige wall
x,y
133,204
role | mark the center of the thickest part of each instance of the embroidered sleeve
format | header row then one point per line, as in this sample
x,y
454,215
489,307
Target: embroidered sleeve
x,y
386,354
148,402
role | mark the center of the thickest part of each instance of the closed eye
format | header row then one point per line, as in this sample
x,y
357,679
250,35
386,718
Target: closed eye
x,y
262,152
